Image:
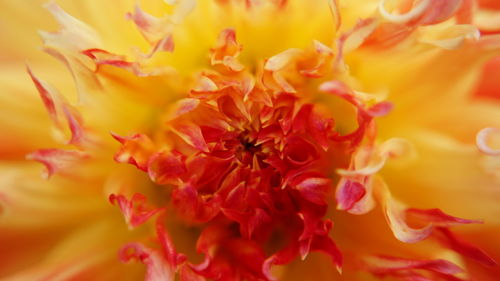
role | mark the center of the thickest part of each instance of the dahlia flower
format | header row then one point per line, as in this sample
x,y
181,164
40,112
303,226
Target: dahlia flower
x,y
250,140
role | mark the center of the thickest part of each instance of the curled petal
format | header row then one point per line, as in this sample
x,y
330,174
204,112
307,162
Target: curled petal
x,y
396,219
157,267
57,160
352,39
135,150
359,99
134,210
413,14
157,31
227,50
392,148
395,215
316,64
482,140
284,256
152,28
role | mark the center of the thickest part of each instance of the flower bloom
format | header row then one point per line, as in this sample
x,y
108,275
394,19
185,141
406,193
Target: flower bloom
x,y
251,140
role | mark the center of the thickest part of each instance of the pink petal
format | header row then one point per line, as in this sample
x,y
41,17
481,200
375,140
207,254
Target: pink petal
x,y
134,210
157,267
390,264
57,160
348,193
437,217
482,141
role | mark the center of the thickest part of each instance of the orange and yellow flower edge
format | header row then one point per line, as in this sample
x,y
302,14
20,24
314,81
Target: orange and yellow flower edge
x,y
250,140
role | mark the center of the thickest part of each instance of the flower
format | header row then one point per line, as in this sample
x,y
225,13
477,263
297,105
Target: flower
x,y
251,140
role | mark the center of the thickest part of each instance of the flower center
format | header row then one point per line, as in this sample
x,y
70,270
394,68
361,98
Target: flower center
x,y
245,162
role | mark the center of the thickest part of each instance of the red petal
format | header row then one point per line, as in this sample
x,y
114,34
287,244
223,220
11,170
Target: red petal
x,y
164,168
489,84
325,244
314,189
171,255
437,217
450,240
284,256
187,274
192,207
299,152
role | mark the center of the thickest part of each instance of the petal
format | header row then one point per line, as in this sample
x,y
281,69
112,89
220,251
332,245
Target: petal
x,y
134,210
314,189
394,212
164,168
157,267
482,141
58,109
348,193
388,264
227,50
191,134
57,160
449,38
450,240
135,150
437,217
74,34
